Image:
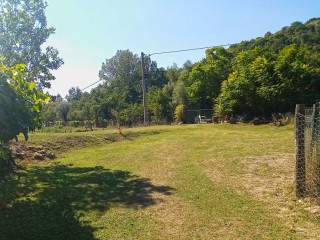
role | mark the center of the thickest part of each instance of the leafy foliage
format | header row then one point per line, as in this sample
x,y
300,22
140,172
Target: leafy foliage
x,y
159,105
20,102
259,77
206,77
260,85
6,163
63,110
131,115
74,94
20,105
178,113
19,20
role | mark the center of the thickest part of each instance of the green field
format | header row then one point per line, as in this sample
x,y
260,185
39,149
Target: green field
x,y
166,182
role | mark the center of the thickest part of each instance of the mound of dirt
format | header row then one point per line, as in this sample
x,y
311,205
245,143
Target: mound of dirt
x,y
24,151
49,148
65,143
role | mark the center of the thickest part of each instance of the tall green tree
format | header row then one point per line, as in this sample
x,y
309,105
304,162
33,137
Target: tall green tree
x,y
63,110
206,77
21,102
122,76
23,31
74,94
259,77
298,72
159,105
261,84
20,106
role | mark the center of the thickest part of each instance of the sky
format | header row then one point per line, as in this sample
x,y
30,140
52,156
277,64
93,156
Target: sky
x,y
89,32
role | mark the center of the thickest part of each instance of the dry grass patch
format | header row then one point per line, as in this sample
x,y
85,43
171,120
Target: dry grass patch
x,y
270,179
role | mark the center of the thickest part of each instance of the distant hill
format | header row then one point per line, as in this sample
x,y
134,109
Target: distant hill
x,y
298,33
258,77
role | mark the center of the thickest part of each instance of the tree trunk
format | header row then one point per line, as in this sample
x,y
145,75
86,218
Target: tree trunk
x,y
7,163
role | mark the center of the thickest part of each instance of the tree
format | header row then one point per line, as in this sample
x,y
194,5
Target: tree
x,y
15,112
241,92
24,30
206,77
155,77
20,106
21,102
262,84
74,94
298,71
49,113
179,91
306,34
173,73
159,105
179,113
132,114
122,75
122,87
63,110
179,95
259,77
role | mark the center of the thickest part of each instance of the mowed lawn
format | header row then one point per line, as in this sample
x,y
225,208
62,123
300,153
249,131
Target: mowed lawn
x,y
166,182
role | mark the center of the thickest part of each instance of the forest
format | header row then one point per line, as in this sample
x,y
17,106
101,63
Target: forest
x,y
256,78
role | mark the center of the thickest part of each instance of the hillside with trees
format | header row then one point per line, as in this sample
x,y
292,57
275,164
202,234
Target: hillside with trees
x,y
254,78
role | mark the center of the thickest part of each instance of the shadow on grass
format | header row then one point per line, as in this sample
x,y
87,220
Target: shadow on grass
x,y
48,202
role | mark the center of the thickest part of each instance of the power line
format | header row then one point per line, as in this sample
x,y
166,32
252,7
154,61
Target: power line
x,y
189,49
167,52
91,85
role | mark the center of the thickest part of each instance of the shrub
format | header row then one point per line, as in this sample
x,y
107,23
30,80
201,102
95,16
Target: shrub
x,y
132,114
179,113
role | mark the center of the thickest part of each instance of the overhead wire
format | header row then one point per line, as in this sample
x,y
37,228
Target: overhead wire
x,y
91,85
189,49
168,52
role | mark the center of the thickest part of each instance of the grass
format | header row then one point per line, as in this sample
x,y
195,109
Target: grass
x,y
165,182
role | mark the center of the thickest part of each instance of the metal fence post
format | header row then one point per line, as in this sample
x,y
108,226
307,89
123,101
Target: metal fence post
x,y
317,145
300,151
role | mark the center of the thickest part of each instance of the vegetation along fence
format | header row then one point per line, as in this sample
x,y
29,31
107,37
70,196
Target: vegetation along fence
x,y
308,150
191,115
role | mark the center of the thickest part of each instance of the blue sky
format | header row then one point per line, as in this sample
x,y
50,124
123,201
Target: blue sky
x,y
88,32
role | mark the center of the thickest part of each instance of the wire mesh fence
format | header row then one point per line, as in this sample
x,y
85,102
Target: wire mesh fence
x,y
195,115
308,150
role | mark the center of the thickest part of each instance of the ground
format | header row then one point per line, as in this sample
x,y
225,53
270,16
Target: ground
x,y
163,182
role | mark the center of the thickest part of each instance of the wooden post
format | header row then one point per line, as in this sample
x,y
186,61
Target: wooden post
x,y
144,91
300,151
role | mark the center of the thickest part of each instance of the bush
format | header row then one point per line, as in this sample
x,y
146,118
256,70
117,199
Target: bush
x,y
159,105
179,113
279,119
132,114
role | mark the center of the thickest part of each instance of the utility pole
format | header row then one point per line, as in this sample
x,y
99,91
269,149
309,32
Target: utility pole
x,y
144,91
